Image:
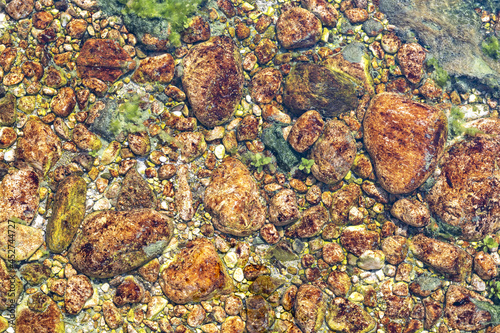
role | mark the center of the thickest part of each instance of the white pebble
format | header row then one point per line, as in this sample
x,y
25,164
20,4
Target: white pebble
x,y
10,155
102,204
105,287
163,159
220,151
238,274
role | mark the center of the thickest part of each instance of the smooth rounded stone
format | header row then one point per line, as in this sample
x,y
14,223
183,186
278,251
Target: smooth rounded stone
x,y
466,194
193,145
485,266
343,201
456,264
233,324
265,85
76,28
39,313
8,113
64,102
460,311
310,308
67,213
371,260
196,274
339,283
155,69
311,86
411,58
19,197
135,193
10,287
213,80
111,242
357,240
283,208
27,240
139,143
332,253
411,212
298,28
390,43
395,249
111,314
405,140
19,9
259,318
85,139
78,291
325,11
233,200
128,292
310,224
346,316
103,59
39,146
333,153
372,28
306,131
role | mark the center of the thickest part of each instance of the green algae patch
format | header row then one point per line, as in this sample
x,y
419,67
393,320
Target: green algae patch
x,y
68,213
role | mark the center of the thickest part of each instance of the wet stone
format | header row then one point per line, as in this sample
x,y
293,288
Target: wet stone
x,y
356,15
298,28
306,131
85,139
10,288
64,102
7,58
339,283
39,313
139,143
461,313
310,308
265,85
265,285
248,129
258,314
265,51
333,253
193,145
42,19
333,153
128,292
67,213
399,132
343,201
112,243
111,314
395,249
19,9
78,290
35,273
357,240
197,31
310,224
346,316
325,11
411,212
197,273
411,58
76,28
485,266
19,195
213,80
135,193
155,69
233,200
27,240
8,113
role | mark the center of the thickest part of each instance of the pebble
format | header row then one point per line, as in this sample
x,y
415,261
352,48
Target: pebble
x,y
238,274
9,155
220,151
105,287
231,259
102,204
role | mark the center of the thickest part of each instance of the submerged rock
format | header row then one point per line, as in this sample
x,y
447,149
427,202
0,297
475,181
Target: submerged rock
x,y
233,199
67,213
196,274
310,308
10,287
111,243
461,313
346,316
39,313
135,193
19,195
297,28
213,80
26,240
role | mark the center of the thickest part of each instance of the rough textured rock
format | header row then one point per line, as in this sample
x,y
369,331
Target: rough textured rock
x,y
39,146
311,86
78,290
395,249
298,28
283,208
196,274
155,69
233,199
34,273
346,316
8,113
342,202
67,213
356,239
111,243
64,102
111,315
129,291
333,153
27,240
411,212
39,313
484,266
411,59
193,145
19,9
7,137
323,10
213,80
85,139
19,195
467,193
405,140
265,85
198,31
310,224
259,317
456,265
139,143
310,308
103,59
339,283
306,130
135,193
461,313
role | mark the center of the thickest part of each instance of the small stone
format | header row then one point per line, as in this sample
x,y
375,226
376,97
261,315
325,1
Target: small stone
x,y
371,260
310,308
85,139
411,212
111,315
64,102
78,290
339,283
298,28
411,58
7,137
306,131
155,69
356,15
8,111
19,9
265,85
128,292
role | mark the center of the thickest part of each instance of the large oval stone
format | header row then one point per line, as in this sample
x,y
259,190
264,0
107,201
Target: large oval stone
x,y
467,192
233,199
213,80
111,243
196,274
405,140
67,213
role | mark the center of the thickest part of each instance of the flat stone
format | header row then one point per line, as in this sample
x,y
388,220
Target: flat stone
x,y
310,224
213,80
103,59
78,291
112,243
64,102
306,131
85,139
357,239
135,193
155,69
67,213
283,208
27,240
196,274
19,195
259,317
405,140
39,313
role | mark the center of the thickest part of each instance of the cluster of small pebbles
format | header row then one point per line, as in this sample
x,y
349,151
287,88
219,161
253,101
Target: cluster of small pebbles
x,y
289,167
